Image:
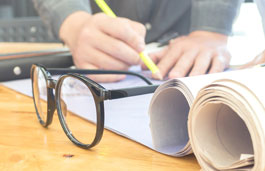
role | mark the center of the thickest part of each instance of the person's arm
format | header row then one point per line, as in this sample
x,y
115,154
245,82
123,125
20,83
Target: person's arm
x,y
214,16
54,12
204,49
96,41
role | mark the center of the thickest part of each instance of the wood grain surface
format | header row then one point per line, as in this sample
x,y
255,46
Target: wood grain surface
x,y
24,47
26,145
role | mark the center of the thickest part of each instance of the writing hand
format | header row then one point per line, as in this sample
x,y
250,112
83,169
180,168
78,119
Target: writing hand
x,y
102,42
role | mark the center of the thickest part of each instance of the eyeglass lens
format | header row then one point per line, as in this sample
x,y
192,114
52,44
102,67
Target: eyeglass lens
x,y
40,93
75,92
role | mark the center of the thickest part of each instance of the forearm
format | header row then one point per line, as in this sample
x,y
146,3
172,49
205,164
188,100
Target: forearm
x,y
214,15
54,12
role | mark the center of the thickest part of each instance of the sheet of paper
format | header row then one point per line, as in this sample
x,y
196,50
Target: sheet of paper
x,y
127,117
169,109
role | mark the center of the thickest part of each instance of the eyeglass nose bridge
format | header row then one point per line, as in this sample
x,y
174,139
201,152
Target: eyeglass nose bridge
x,y
51,84
52,105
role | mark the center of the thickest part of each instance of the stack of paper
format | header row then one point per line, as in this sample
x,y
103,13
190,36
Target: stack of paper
x,y
169,109
227,122
224,125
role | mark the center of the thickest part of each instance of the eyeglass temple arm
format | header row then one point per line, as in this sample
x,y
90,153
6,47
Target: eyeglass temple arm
x,y
55,71
128,92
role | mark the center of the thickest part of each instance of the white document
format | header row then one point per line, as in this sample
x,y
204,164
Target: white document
x,y
127,116
224,126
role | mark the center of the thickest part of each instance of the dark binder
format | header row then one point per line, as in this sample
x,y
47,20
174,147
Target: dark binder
x,y
17,65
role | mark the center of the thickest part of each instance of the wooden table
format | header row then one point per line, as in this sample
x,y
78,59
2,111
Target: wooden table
x,y
26,145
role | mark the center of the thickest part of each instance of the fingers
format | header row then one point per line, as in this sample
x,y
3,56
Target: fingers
x,y
183,65
179,62
113,36
103,42
218,64
123,29
103,78
169,60
138,27
202,63
194,54
115,48
155,57
100,60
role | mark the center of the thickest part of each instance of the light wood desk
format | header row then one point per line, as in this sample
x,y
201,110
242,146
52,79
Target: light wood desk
x,y
26,145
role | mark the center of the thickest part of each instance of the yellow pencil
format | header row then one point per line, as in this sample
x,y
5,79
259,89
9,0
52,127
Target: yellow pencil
x,y
144,57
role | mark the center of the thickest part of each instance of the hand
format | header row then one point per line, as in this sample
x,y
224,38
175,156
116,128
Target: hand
x,y
198,53
102,42
260,59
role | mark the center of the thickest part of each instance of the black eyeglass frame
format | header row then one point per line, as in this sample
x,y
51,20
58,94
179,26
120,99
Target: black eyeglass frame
x,y
100,94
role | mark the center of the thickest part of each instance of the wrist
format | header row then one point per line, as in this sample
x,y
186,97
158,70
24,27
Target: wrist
x,y
212,35
71,27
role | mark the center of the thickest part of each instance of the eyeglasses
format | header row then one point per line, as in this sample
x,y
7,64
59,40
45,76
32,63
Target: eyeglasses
x,y
73,88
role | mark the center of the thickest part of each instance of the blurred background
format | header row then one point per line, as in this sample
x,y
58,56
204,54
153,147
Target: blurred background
x,y
16,8
19,22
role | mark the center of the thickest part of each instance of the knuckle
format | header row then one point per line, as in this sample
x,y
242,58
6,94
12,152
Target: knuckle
x,y
141,28
99,20
85,32
206,50
133,40
124,34
124,21
126,31
175,51
99,16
